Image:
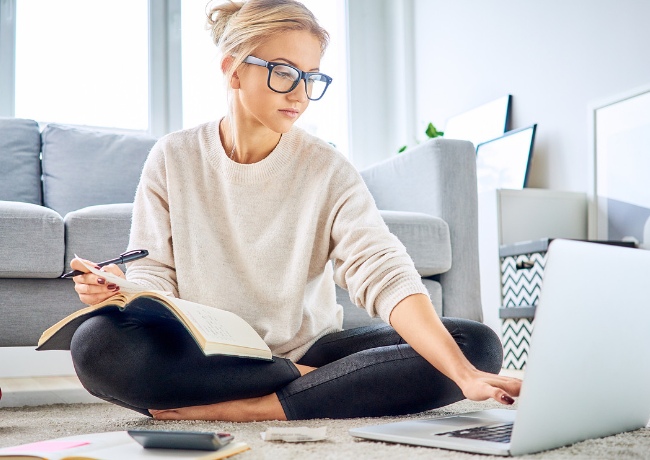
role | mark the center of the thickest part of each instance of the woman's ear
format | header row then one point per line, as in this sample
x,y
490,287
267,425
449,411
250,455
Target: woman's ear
x,y
226,63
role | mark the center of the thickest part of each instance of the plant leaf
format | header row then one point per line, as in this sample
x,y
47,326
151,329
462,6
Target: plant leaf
x,y
432,132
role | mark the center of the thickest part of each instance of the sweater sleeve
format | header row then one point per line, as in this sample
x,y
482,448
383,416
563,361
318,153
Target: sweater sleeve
x,y
151,227
369,261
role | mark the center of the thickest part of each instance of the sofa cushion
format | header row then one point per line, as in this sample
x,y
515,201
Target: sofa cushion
x,y
20,164
97,232
84,168
426,239
31,241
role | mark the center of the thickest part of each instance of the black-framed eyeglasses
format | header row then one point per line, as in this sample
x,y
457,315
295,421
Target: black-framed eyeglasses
x,y
283,78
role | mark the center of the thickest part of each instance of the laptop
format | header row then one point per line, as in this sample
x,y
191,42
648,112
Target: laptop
x,y
587,374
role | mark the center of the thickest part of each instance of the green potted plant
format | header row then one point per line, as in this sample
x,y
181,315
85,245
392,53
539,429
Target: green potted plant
x,y
431,133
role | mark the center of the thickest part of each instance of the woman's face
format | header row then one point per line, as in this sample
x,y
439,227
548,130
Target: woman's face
x,y
263,106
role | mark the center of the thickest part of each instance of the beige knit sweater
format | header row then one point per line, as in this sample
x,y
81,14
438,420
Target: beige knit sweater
x,y
257,239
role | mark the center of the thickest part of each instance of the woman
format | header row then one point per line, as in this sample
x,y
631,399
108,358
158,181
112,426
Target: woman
x,y
246,213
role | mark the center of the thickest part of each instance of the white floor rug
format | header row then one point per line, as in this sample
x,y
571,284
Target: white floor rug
x,y
29,424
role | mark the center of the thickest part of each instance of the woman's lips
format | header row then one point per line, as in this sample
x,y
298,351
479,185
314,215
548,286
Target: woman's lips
x,y
291,113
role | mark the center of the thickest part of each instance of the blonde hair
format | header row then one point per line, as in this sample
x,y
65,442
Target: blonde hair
x,y
238,28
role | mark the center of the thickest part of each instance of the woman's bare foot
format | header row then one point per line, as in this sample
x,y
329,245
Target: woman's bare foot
x,y
243,410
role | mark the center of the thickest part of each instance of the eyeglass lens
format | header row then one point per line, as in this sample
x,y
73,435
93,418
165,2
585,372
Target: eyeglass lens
x,y
283,78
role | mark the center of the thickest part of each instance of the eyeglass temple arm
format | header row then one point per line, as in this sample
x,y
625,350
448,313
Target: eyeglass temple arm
x,y
256,61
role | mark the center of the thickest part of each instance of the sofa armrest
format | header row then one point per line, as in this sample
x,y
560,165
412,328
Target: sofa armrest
x,y
425,237
438,177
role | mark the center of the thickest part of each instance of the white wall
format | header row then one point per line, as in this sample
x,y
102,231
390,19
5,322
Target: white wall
x,y
556,57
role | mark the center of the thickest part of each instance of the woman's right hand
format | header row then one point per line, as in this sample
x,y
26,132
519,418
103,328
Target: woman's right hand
x,y
91,288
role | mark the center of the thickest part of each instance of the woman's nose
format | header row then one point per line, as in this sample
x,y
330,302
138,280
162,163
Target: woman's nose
x,y
299,93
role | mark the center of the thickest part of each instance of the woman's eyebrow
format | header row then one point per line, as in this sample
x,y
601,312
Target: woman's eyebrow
x,y
293,64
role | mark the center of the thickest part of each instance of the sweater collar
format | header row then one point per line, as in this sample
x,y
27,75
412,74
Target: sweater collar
x,y
280,157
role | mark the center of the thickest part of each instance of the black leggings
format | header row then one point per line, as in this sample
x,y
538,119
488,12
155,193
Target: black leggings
x,y
362,372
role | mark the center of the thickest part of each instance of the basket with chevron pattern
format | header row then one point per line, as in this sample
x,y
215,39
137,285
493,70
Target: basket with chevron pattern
x,y
522,270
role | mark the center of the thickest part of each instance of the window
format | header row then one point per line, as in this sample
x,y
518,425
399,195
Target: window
x,y
83,62
328,118
117,65
204,95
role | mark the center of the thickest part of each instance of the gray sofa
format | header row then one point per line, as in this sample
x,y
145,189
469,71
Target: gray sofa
x,y
67,190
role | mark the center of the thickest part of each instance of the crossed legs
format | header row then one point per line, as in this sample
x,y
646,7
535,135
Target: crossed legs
x,y
367,371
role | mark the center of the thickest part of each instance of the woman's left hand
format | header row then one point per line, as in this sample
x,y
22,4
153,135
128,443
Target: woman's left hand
x,y
480,386
415,319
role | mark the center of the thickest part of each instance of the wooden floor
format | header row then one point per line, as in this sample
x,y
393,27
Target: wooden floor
x,y
38,391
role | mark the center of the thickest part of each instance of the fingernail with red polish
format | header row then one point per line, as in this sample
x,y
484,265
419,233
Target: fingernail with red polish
x,y
97,267
111,286
507,399
101,280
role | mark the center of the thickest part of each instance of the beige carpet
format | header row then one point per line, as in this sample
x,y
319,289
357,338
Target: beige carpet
x,y
29,424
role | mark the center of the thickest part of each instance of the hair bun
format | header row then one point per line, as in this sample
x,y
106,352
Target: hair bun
x,y
219,16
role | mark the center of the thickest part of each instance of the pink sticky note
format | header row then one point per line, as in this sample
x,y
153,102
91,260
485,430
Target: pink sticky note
x,y
49,446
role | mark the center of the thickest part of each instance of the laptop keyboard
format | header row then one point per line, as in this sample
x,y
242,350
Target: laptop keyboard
x,y
495,433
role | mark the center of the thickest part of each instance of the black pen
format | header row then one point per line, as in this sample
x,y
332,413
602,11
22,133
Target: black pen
x,y
129,256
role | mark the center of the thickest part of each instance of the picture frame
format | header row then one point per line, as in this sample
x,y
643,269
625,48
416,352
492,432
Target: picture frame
x,y
619,199
504,162
482,123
